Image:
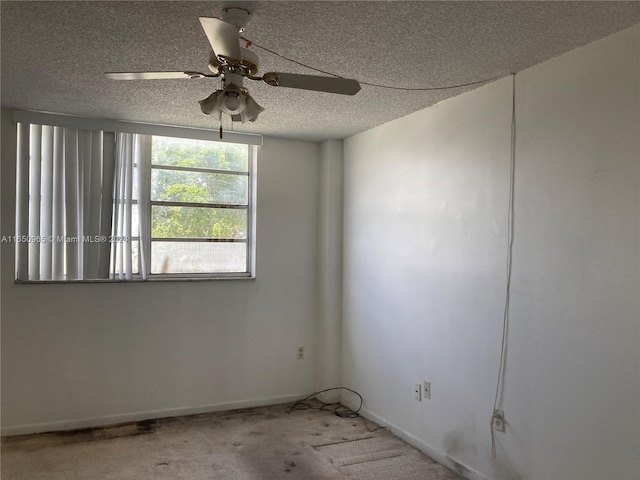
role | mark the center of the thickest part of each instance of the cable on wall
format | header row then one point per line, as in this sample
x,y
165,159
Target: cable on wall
x,y
505,321
427,89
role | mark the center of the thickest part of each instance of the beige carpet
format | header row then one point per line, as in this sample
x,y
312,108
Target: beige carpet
x,y
252,444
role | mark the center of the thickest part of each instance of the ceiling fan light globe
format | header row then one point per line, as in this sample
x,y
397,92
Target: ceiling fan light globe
x,y
252,110
231,102
209,105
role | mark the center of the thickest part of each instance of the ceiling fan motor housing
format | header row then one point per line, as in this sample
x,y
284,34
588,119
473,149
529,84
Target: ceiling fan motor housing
x,y
249,65
250,61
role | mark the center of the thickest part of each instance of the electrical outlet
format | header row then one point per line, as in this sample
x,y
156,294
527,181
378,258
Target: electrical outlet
x,y
499,425
427,390
300,353
417,391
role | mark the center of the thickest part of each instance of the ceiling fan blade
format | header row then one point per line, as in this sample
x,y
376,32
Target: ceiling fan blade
x,y
223,38
154,75
344,86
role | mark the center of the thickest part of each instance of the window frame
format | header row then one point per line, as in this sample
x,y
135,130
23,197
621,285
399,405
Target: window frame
x,y
249,208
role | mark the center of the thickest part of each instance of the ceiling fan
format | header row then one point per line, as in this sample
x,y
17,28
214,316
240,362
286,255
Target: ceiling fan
x,y
234,63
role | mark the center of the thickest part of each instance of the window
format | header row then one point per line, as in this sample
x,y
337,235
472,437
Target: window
x,y
96,205
200,207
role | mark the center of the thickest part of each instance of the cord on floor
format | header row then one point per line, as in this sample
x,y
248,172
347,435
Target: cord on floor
x,y
337,408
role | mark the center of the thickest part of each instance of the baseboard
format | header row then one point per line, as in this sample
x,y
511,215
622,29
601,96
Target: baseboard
x,y
143,415
459,467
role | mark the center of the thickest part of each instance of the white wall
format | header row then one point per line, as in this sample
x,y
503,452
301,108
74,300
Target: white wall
x,y
85,354
328,339
424,270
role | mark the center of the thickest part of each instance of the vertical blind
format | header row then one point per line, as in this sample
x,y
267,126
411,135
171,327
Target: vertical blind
x,y
65,182
133,173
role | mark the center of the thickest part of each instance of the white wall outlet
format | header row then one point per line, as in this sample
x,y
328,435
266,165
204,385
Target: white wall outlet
x,y
499,425
300,353
417,391
426,391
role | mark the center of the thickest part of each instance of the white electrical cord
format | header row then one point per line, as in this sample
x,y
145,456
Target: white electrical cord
x,y
391,87
505,324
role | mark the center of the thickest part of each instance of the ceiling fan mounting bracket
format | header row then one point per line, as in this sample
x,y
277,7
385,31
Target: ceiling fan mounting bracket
x,y
236,16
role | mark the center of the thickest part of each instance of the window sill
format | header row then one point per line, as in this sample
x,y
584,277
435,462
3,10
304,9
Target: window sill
x,y
134,280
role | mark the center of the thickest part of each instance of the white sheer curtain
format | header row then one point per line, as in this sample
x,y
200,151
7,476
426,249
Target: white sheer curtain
x,y
65,180
131,207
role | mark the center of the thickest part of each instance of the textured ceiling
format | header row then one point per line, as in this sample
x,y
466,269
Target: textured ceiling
x,y
54,55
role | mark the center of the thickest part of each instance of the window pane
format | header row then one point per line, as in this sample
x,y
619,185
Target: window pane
x,y
199,187
199,153
198,222
198,257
